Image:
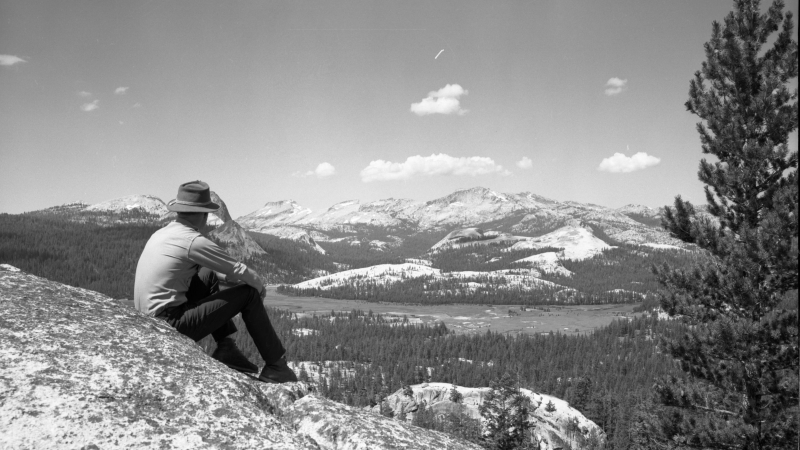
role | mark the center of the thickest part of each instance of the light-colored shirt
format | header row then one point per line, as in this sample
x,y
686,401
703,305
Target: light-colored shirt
x,y
172,256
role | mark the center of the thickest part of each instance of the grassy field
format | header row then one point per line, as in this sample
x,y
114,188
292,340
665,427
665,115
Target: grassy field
x,y
463,318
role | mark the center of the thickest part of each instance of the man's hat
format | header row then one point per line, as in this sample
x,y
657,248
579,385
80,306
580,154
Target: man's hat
x,y
194,196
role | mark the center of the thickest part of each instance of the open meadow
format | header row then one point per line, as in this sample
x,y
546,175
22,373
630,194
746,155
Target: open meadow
x,y
468,318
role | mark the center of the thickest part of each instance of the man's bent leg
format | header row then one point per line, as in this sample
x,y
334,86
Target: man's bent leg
x,y
209,314
203,285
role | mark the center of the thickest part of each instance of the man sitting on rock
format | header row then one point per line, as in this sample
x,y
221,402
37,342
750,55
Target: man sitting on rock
x,y
176,282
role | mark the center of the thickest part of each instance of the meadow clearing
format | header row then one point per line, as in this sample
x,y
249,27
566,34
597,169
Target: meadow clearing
x,y
469,318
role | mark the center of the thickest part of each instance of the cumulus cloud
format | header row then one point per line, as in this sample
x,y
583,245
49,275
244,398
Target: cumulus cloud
x,y
620,163
525,163
441,164
121,90
615,85
10,60
443,101
91,106
323,170
85,94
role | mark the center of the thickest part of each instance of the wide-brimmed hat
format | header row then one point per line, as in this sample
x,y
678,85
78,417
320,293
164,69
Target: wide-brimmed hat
x,y
194,196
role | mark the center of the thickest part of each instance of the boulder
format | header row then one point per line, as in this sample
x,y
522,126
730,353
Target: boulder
x,y
79,370
554,426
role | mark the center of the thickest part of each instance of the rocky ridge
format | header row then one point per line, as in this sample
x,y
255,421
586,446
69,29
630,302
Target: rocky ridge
x,y
552,424
523,213
80,370
145,203
221,216
236,241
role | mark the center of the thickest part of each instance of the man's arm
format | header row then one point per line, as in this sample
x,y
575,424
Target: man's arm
x,y
206,253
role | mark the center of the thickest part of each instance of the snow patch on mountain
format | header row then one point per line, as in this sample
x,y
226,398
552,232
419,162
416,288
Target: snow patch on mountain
x,y
382,273
145,203
547,262
285,212
295,234
577,243
466,281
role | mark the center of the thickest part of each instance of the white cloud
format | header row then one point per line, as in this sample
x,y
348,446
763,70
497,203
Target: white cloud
x,y
443,101
620,163
136,105
87,107
525,163
615,85
323,170
121,90
10,60
85,94
441,164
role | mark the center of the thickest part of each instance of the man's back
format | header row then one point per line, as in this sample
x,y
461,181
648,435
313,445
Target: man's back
x,y
165,270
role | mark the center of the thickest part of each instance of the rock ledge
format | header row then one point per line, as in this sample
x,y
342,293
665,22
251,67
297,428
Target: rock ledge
x,y
79,370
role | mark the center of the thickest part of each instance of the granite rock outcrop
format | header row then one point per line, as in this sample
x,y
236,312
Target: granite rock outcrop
x,y
79,370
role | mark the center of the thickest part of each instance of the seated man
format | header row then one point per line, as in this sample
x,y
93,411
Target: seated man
x,y
176,281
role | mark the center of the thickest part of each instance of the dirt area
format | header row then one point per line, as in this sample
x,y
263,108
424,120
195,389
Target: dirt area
x,y
463,318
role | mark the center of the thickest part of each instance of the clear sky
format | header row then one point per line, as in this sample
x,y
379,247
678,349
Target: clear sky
x,y
322,102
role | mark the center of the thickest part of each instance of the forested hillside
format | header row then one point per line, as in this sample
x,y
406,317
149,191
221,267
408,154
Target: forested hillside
x,y
100,250
88,255
626,267
616,275
287,261
606,375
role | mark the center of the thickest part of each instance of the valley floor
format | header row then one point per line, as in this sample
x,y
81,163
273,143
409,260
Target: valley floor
x,y
469,318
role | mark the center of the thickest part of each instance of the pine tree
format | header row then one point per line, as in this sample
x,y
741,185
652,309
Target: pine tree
x,y
741,351
455,396
505,412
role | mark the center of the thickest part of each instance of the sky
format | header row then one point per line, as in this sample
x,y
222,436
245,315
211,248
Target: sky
x,y
322,102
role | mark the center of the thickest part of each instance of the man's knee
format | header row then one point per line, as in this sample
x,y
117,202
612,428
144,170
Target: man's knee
x,y
250,293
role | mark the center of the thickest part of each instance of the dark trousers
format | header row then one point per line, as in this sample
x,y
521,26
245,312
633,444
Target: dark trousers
x,y
209,311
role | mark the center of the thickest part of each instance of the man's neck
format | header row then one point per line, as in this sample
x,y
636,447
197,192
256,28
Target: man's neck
x,y
187,223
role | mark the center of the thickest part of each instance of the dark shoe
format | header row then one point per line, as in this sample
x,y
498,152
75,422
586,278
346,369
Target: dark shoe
x,y
277,372
229,354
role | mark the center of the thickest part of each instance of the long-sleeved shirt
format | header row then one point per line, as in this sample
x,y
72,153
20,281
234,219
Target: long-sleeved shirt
x,y
172,256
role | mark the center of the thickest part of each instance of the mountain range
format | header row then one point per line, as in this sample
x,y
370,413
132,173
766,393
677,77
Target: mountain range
x,y
523,214
456,245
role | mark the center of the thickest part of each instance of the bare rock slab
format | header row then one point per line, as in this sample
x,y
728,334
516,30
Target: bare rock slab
x,y
79,370
336,426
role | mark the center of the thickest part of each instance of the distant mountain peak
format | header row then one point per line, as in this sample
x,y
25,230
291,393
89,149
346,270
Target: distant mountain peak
x,y
637,209
344,204
147,203
287,202
471,196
